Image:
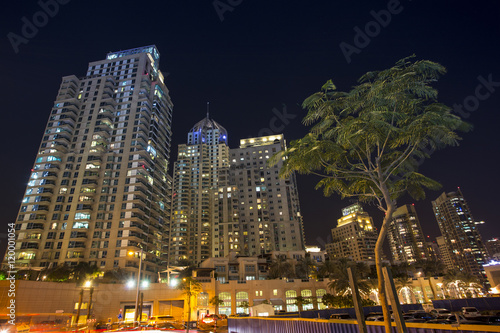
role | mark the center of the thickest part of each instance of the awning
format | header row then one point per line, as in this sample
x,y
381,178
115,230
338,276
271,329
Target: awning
x,y
277,301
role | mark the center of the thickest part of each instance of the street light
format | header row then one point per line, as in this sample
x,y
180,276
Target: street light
x,y
138,282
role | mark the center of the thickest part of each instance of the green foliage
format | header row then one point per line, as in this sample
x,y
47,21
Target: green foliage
x,y
431,267
305,268
369,142
217,302
280,267
114,276
60,273
362,138
339,301
190,287
340,278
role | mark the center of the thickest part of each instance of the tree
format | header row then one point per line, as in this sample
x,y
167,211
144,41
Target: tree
x,y
216,301
245,305
190,288
368,142
280,267
453,279
59,273
83,270
114,276
431,267
300,301
305,268
325,269
402,283
340,278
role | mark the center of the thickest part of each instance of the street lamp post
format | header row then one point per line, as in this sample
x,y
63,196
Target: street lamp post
x,y
136,314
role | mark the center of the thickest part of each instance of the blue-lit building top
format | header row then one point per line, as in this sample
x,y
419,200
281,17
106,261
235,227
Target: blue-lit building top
x,y
207,131
151,49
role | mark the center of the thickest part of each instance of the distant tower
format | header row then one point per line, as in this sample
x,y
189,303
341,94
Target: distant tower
x,y
405,236
444,254
354,237
200,169
462,239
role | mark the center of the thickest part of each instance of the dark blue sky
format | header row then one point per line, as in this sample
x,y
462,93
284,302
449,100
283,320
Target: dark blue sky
x,y
263,55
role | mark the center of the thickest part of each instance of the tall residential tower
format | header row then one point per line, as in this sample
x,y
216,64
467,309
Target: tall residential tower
x,y
405,236
354,237
229,200
99,187
200,169
461,237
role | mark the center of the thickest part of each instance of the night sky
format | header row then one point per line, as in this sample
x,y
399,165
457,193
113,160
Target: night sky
x,y
250,57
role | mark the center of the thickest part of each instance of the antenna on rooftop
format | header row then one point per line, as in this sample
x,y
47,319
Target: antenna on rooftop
x,y
208,109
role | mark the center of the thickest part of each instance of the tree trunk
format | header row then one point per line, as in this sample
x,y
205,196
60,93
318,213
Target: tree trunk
x,y
378,257
189,313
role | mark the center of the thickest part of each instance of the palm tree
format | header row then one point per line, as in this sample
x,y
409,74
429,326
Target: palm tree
x,y
300,301
190,288
245,305
431,267
368,142
216,302
403,283
340,283
471,285
305,268
115,276
453,279
83,270
280,267
326,269
59,273
373,285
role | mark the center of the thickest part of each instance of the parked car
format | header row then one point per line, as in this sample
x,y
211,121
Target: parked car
x,y
420,315
210,319
491,320
375,318
340,316
160,319
469,311
440,312
463,321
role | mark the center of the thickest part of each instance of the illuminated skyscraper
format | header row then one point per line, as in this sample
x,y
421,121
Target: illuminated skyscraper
x,y
201,167
229,200
461,237
99,186
405,236
354,237
259,212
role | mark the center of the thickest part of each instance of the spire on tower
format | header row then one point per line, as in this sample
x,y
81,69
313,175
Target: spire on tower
x,y
208,109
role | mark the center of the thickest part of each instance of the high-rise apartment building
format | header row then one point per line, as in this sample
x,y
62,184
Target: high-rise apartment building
x,y
99,186
444,254
268,210
493,248
458,227
229,200
201,167
354,237
404,233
